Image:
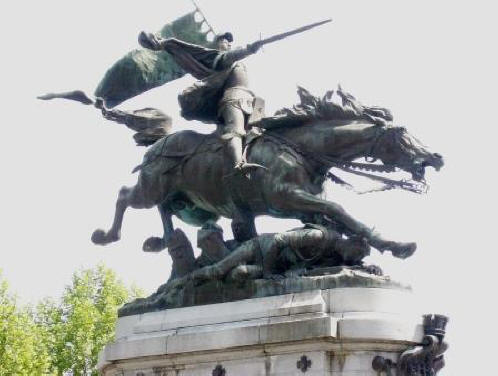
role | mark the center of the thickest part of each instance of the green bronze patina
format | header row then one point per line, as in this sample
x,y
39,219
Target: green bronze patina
x,y
184,173
277,168
141,69
221,291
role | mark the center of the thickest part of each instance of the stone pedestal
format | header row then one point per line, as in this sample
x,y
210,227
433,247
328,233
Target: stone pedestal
x,y
335,331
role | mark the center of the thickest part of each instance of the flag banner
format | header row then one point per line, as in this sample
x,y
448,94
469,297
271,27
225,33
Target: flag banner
x,y
141,70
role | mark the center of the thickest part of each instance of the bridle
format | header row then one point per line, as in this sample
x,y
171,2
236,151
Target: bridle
x,y
326,163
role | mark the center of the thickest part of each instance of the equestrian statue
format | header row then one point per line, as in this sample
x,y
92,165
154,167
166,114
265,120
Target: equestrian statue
x,y
254,164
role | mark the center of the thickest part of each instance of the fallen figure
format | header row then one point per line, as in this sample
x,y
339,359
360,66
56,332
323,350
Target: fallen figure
x,y
267,256
271,255
269,264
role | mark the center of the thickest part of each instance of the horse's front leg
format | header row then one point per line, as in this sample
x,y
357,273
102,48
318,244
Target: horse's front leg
x,y
156,244
300,201
126,197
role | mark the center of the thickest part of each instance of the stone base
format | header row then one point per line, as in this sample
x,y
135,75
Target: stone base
x,y
323,332
223,291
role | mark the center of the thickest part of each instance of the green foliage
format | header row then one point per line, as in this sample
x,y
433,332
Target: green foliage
x,y
23,349
84,321
65,336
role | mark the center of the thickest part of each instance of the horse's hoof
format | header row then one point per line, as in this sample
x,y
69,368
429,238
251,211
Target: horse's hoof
x,y
99,237
403,250
154,244
102,237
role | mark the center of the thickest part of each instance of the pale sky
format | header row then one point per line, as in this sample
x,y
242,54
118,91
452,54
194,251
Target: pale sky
x,y
432,63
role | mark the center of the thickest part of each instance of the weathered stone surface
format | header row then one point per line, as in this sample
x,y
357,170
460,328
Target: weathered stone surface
x,y
221,291
316,332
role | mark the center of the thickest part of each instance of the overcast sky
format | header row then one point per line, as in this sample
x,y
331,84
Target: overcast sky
x,y
432,63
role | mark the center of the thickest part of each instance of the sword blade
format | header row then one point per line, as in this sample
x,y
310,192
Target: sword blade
x,y
301,29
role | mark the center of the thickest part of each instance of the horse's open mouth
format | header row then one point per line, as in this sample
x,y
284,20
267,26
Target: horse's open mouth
x,y
380,173
418,173
418,170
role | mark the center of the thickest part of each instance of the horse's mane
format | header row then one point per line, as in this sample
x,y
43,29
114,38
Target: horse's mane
x,y
334,105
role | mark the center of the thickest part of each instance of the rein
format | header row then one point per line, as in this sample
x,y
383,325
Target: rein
x,y
350,167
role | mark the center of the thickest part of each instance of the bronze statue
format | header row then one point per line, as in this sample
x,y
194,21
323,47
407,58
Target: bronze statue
x,y
289,156
222,95
276,262
255,165
268,255
273,254
182,254
183,173
210,241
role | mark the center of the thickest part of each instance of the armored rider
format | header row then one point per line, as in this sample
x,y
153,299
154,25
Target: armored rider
x,y
221,95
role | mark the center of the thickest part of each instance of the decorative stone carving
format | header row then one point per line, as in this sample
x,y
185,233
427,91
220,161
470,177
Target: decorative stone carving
x,y
425,359
219,371
381,364
303,364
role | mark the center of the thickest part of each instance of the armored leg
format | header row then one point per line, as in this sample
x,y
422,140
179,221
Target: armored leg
x,y
233,115
236,104
233,132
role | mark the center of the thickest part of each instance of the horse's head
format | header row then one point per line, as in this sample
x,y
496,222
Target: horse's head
x,y
396,147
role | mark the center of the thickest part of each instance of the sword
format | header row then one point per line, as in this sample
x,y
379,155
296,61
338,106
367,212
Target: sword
x,y
301,29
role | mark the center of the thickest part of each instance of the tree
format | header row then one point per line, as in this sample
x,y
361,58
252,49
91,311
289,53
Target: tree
x,y
66,336
23,349
83,323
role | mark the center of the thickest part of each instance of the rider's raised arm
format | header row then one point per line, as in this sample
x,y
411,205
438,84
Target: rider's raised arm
x,y
226,59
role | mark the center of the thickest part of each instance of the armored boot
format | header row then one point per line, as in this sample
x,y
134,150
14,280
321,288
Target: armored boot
x,y
235,155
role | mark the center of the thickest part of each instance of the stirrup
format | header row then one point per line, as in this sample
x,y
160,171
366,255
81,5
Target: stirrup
x,y
244,169
248,167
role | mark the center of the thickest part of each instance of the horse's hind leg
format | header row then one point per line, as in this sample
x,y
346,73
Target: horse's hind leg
x,y
156,244
299,201
243,227
126,197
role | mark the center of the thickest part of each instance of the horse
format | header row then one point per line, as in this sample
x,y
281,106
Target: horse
x,y
184,174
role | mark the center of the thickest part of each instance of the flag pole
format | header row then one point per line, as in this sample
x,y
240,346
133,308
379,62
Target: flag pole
x,y
198,9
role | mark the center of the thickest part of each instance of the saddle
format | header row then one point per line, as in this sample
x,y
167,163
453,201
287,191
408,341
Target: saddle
x,y
177,148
